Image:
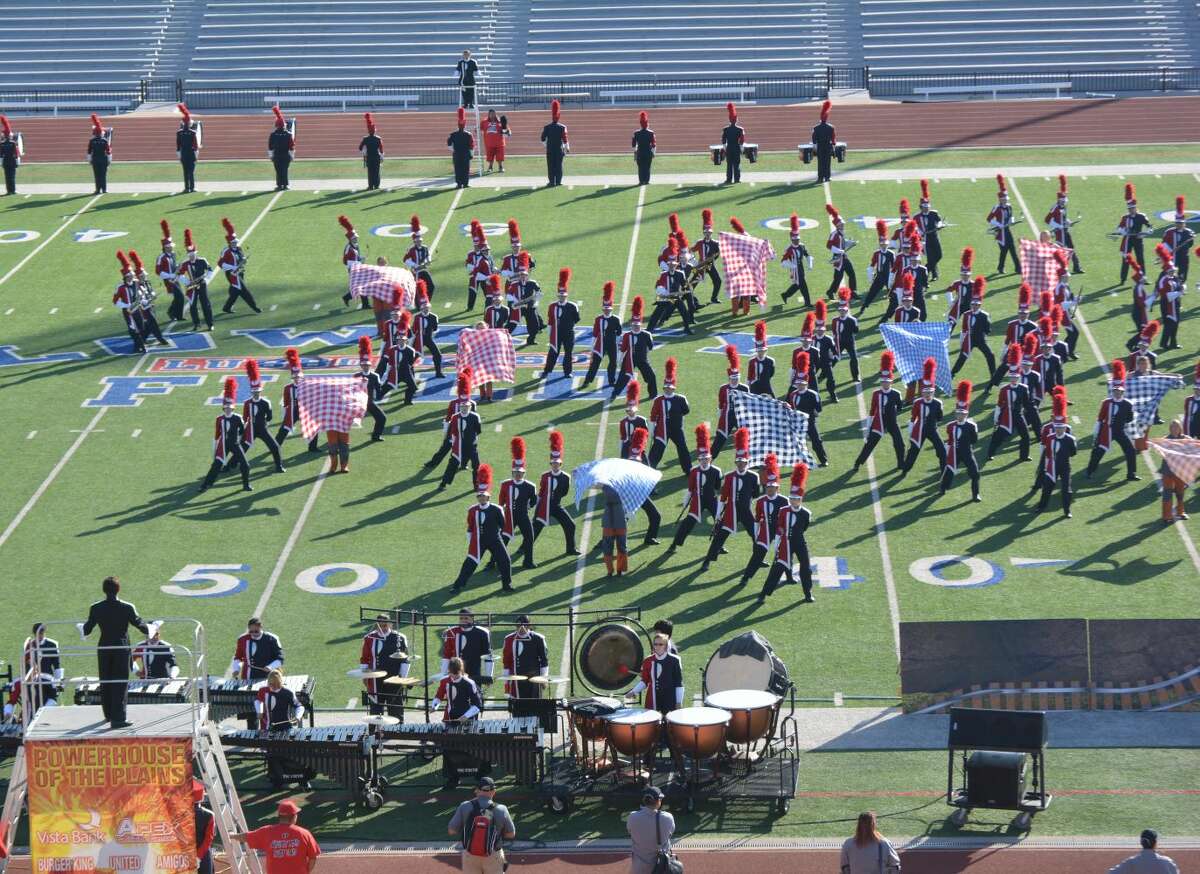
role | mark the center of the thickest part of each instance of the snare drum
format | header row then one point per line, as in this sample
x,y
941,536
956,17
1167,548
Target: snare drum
x,y
588,715
698,732
718,154
634,731
752,713
839,152
750,150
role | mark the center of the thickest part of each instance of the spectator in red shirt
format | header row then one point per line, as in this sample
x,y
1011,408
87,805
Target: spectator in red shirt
x,y
495,129
288,848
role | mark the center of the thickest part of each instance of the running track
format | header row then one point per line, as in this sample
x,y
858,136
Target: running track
x,y
606,131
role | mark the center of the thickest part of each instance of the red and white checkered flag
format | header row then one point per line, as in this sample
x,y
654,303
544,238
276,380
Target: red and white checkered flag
x,y
745,259
331,403
489,353
371,280
1182,456
1038,266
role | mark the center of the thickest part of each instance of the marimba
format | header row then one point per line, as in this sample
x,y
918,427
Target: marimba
x,y
515,744
340,752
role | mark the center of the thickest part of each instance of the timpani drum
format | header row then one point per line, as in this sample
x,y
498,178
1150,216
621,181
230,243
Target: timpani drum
x,y
589,716
752,713
718,154
633,731
697,732
750,150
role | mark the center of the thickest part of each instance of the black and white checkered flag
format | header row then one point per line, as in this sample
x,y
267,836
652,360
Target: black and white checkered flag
x,y
1146,393
774,427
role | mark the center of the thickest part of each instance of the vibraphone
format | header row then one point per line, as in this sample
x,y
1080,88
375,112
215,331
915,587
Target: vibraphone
x,y
236,697
176,691
515,744
340,752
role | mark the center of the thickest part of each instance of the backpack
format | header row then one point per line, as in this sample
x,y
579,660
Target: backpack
x,y
479,834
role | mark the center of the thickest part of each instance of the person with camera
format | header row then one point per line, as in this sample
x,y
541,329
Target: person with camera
x,y
650,830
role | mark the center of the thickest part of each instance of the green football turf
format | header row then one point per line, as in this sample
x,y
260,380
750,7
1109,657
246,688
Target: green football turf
x,y
125,501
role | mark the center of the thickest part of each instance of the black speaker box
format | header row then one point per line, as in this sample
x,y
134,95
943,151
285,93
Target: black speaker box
x,y
996,779
978,729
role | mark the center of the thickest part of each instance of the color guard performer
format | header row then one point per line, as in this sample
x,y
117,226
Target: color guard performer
x,y
1059,223
885,413
929,225
554,135
739,488
167,268
1132,229
281,149
804,397
1001,220
384,649
791,523
187,148
10,155
1058,446
958,295
291,401
794,258
733,138
99,155
703,483
1179,238
1168,289
761,369
553,487
517,498
125,299
1012,402
256,653
1191,408
371,149
374,387
824,138
766,517
976,325
961,437
879,271
923,424
666,420
644,146
463,701
632,420
351,255
634,347
843,331
524,654
561,318
418,257
227,441
257,415
1116,413
726,415
462,149
606,332
485,527
460,436
707,252
839,246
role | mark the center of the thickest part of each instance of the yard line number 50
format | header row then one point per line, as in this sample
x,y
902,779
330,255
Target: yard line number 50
x,y
220,580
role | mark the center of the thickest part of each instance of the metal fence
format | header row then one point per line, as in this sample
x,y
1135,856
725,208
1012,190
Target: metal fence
x,y
1084,82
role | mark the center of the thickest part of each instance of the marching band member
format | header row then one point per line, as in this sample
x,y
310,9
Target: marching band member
x,y
1059,223
1116,412
959,293
187,148
233,262
791,523
703,483
41,675
733,137
1049,364
495,132
1017,329
524,653
606,332
643,145
517,498
463,701
461,436
281,149
1012,402
10,156
632,420
976,325
1031,378
844,330
373,385
425,328
154,658
462,148
670,291
766,517
804,397
561,318
885,413
794,258
478,260
145,299
707,252
922,426
371,149
227,441
384,649
824,138
961,436
256,653
167,268
278,710
553,486
1067,301
472,644
1179,238
554,135
99,155
839,246
1168,290
418,257
401,360
485,527
1001,220
510,265
929,225
879,271
824,349
666,419
726,415
1139,345
351,255
523,294
291,401
739,488
497,314
257,415
1142,301
1058,446
661,678
906,312
125,299
634,347
637,452
761,369
1132,229
1191,408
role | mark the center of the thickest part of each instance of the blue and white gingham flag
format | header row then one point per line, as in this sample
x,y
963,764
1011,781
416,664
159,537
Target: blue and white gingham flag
x,y
913,342
632,480
1146,393
774,427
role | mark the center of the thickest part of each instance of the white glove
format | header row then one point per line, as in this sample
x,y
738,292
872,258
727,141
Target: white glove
x,y
810,262
235,667
58,675
275,665
258,706
8,711
174,671
299,712
153,627
445,667
679,696
361,666
404,668
638,688
437,704
544,672
82,636
471,712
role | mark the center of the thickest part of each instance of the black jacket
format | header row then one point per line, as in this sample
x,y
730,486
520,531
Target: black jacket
x,y
733,137
114,617
643,142
823,138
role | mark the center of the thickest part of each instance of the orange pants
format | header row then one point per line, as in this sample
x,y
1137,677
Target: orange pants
x,y
339,451
742,303
1172,487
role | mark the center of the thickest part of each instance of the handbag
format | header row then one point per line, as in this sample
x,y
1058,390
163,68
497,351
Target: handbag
x,y
665,862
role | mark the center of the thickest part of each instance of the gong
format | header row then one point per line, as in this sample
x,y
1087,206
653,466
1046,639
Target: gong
x,y
610,653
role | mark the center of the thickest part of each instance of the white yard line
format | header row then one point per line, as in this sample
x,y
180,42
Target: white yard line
x,y
46,242
1188,544
885,554
577,592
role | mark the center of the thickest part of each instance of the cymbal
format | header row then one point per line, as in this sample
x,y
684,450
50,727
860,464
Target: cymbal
x,y
547,680
360,674
380,720
402,681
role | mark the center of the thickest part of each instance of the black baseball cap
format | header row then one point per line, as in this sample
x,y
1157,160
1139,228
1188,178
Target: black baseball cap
x,y
485,784
652,792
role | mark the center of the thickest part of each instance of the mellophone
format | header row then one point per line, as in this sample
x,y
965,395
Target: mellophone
x,y
340,752
167,691
809,150
236,697
750,150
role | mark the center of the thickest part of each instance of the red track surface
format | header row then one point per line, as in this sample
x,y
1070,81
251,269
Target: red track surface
x,y
607,131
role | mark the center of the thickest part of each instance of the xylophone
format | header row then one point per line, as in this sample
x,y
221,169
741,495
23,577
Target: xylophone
x,y
340,752
516,744
175,691
236,697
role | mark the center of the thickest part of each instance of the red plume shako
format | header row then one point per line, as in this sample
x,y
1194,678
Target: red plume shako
x,y
637,309
820,312
97,127
834,218
1132,261
1014,359
1164,256
517,447
799,480
670,372
514,232
564,280
770,470
794,221
881,231
1003,189
905,210
462,118
610,290
463,386
422,294
136,260
230,234
492,286
1130,194
978,288
968,260
800,362
1030,346
1045,303
924,192
253,375
370,120
1180,209
633,393
188,243
673,222
229,395
731,111
344,221
523,262
738,227
414,226
405,324
292,357
166,233
1149,332
278,113
637,443
741,444
908,284
963,396
887,365
1063,260
5,126
1117,380
760,335
929,374
1062,187
364,350
810,323
1046,326
185,116
825,108
643,120
556,446
1024,297
703,440
124,262
731,355
483,480
706,219
1059,404
555,110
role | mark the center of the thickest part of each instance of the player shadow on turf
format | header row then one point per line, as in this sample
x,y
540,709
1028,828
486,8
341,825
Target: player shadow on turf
x,y
760,192
409,195
506,195
1100,567
34,201
597,193
53,369
125,202
216,201
683,191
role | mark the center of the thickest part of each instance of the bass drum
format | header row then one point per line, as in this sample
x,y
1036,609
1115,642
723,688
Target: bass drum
x,y
746,662
609,655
